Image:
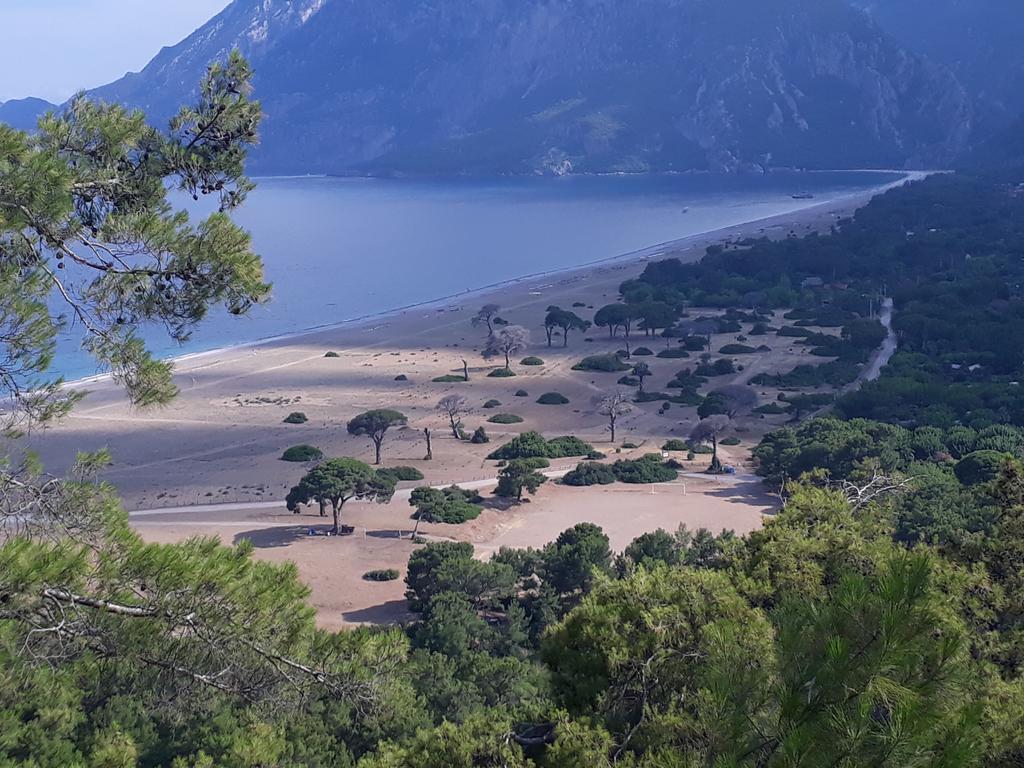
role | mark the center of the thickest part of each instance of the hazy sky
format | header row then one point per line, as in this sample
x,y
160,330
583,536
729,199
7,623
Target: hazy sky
x,y
53,48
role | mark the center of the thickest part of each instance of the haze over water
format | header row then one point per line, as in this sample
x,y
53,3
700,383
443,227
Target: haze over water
x,y
341,249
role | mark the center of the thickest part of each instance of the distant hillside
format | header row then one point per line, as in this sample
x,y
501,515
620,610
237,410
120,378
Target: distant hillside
x,y
24,113
521,86
979,40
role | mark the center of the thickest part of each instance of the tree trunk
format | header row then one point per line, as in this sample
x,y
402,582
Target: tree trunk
x,y
716,465
430,450
508,362
490,328
323,508
565,337
377,441
455,427
611,428
465,370
548,330
336,509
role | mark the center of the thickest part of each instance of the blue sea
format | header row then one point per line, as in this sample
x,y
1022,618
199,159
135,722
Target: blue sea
x,y
341,249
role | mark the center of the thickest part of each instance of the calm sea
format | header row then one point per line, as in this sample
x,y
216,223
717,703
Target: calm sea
x,y
341,249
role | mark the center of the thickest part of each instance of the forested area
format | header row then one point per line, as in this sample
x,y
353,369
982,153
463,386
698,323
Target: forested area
x,y
878,620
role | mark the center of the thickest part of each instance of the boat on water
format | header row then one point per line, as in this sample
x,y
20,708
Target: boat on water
x,y
803,196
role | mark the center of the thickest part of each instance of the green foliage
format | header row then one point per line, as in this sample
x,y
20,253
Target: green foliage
x,y
388,574
501,373
649,469
337,481
642,352
401,474
492,404
520,476
480,437
332,354
981,467
736,349
675,353
675,445
375,425
531,361
296,417
450,378
113,261
602,364
302,453
451,505
522,393
533,445
552,398
590,473
505,418
721,367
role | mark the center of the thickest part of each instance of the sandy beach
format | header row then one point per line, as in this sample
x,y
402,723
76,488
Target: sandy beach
x,y
221,441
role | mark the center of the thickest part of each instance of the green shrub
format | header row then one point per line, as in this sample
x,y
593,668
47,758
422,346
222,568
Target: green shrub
x,y
533,445
602,364
501,373
401,377
629,381
796,333
695,343
980,467
673,354
480,437
492,404
649,469
736,349
505,418
567,447
771,409
675,445
296,417
729,441
402,474
301,453
450,378
531,361
630,446
596,456
642,352
590,473
388,574
522,393
332,354
552,398
721,367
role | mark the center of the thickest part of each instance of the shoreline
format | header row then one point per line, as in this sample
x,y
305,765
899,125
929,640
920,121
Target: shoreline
x,y
638,256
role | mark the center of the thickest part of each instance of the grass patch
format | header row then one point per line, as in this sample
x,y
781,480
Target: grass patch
x,y
450,378
386,574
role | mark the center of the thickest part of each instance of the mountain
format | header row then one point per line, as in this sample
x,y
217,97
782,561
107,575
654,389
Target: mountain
x,y
979,40
526,86
24,113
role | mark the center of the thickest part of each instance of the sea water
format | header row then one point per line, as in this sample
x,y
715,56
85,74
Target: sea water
x,y
342,249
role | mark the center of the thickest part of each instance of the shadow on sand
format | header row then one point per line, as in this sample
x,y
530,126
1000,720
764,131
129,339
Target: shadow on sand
x,y
391,612
279,536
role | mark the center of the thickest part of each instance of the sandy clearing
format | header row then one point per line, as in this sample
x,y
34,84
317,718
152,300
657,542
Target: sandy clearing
x,y
333,567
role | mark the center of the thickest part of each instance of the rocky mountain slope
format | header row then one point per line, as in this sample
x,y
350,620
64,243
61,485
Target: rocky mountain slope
x,y
24,113
525,86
